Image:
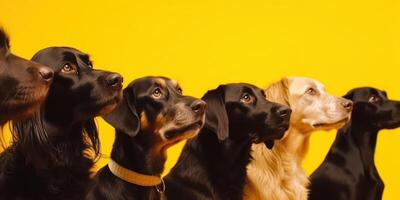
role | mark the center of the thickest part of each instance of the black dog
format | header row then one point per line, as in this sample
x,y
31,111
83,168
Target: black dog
x,y
348,171
213,165
153,116
23,84
53,152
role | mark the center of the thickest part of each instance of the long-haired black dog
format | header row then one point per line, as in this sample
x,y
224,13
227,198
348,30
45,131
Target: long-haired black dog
x,y
23,84
53,151
348,171
213,165
153,116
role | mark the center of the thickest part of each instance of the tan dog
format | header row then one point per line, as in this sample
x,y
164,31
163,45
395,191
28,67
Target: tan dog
x,y
277,174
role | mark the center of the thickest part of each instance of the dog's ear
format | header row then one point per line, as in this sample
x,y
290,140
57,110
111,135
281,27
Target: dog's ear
x,y
4,42
279,92
93,135
125,118
349,95
216,116
269,144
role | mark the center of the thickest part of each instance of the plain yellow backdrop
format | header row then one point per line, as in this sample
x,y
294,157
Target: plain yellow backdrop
x,y
202,44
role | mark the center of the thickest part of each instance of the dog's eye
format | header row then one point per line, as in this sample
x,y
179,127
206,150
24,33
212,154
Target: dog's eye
x,y
246,98
311,91
156,93
68,68
373,99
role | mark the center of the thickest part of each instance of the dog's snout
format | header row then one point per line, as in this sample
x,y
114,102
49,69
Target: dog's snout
x,y
198,106
46,73
348,105
114,81
284,112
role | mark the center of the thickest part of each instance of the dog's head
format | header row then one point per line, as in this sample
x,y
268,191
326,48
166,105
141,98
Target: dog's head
x,y
78,89
241,112
77,95
156,108
373,109
313,108
23,84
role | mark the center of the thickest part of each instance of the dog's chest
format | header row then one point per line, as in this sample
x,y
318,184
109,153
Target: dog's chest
x,y
275,176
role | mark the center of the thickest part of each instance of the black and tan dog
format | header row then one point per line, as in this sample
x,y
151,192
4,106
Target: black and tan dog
x,y
153,116
213,165
53,152
23,84
348,171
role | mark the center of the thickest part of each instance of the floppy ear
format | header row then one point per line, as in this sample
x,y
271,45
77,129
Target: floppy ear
x,y
279,92
349,95
4,42
216,116
125,118
93,136
269,144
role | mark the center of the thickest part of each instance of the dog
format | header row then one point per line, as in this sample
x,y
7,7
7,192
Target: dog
x,y
213,165
153,116
23,84
277,174
53,151
349,171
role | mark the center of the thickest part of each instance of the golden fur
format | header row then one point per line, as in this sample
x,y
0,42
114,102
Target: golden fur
x,y
277,174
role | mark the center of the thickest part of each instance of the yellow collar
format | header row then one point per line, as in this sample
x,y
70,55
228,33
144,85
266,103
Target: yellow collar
x,y
136,178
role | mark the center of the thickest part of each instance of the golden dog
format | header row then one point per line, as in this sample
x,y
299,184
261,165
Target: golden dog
x,y
277,174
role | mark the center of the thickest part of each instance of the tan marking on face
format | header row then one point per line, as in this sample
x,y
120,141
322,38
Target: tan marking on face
x,y
153,128
160,121
162,82
144,122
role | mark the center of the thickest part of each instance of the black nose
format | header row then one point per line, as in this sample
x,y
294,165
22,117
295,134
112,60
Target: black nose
x,y
46,73
284,112
198,106
348,105
114,81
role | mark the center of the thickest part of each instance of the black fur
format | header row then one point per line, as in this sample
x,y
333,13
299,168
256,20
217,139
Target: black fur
x,y
213,165
348,171
23,84
138,146
53,152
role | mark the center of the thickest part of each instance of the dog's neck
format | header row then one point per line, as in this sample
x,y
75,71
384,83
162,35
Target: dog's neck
x,y
229,157
357,135
62,131
50,142
45,151
296,143
137,154
59,116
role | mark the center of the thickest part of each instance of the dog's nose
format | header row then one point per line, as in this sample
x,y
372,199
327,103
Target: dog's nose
x,y
114,81
348,105
284,112
198,106
46,73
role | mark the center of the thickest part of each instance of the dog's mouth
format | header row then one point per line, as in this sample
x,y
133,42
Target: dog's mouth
x,y
331,125
24,102
185,132
272,133
108,105
392,125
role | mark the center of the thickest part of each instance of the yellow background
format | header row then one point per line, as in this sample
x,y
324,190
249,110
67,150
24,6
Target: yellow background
x,y
342,43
